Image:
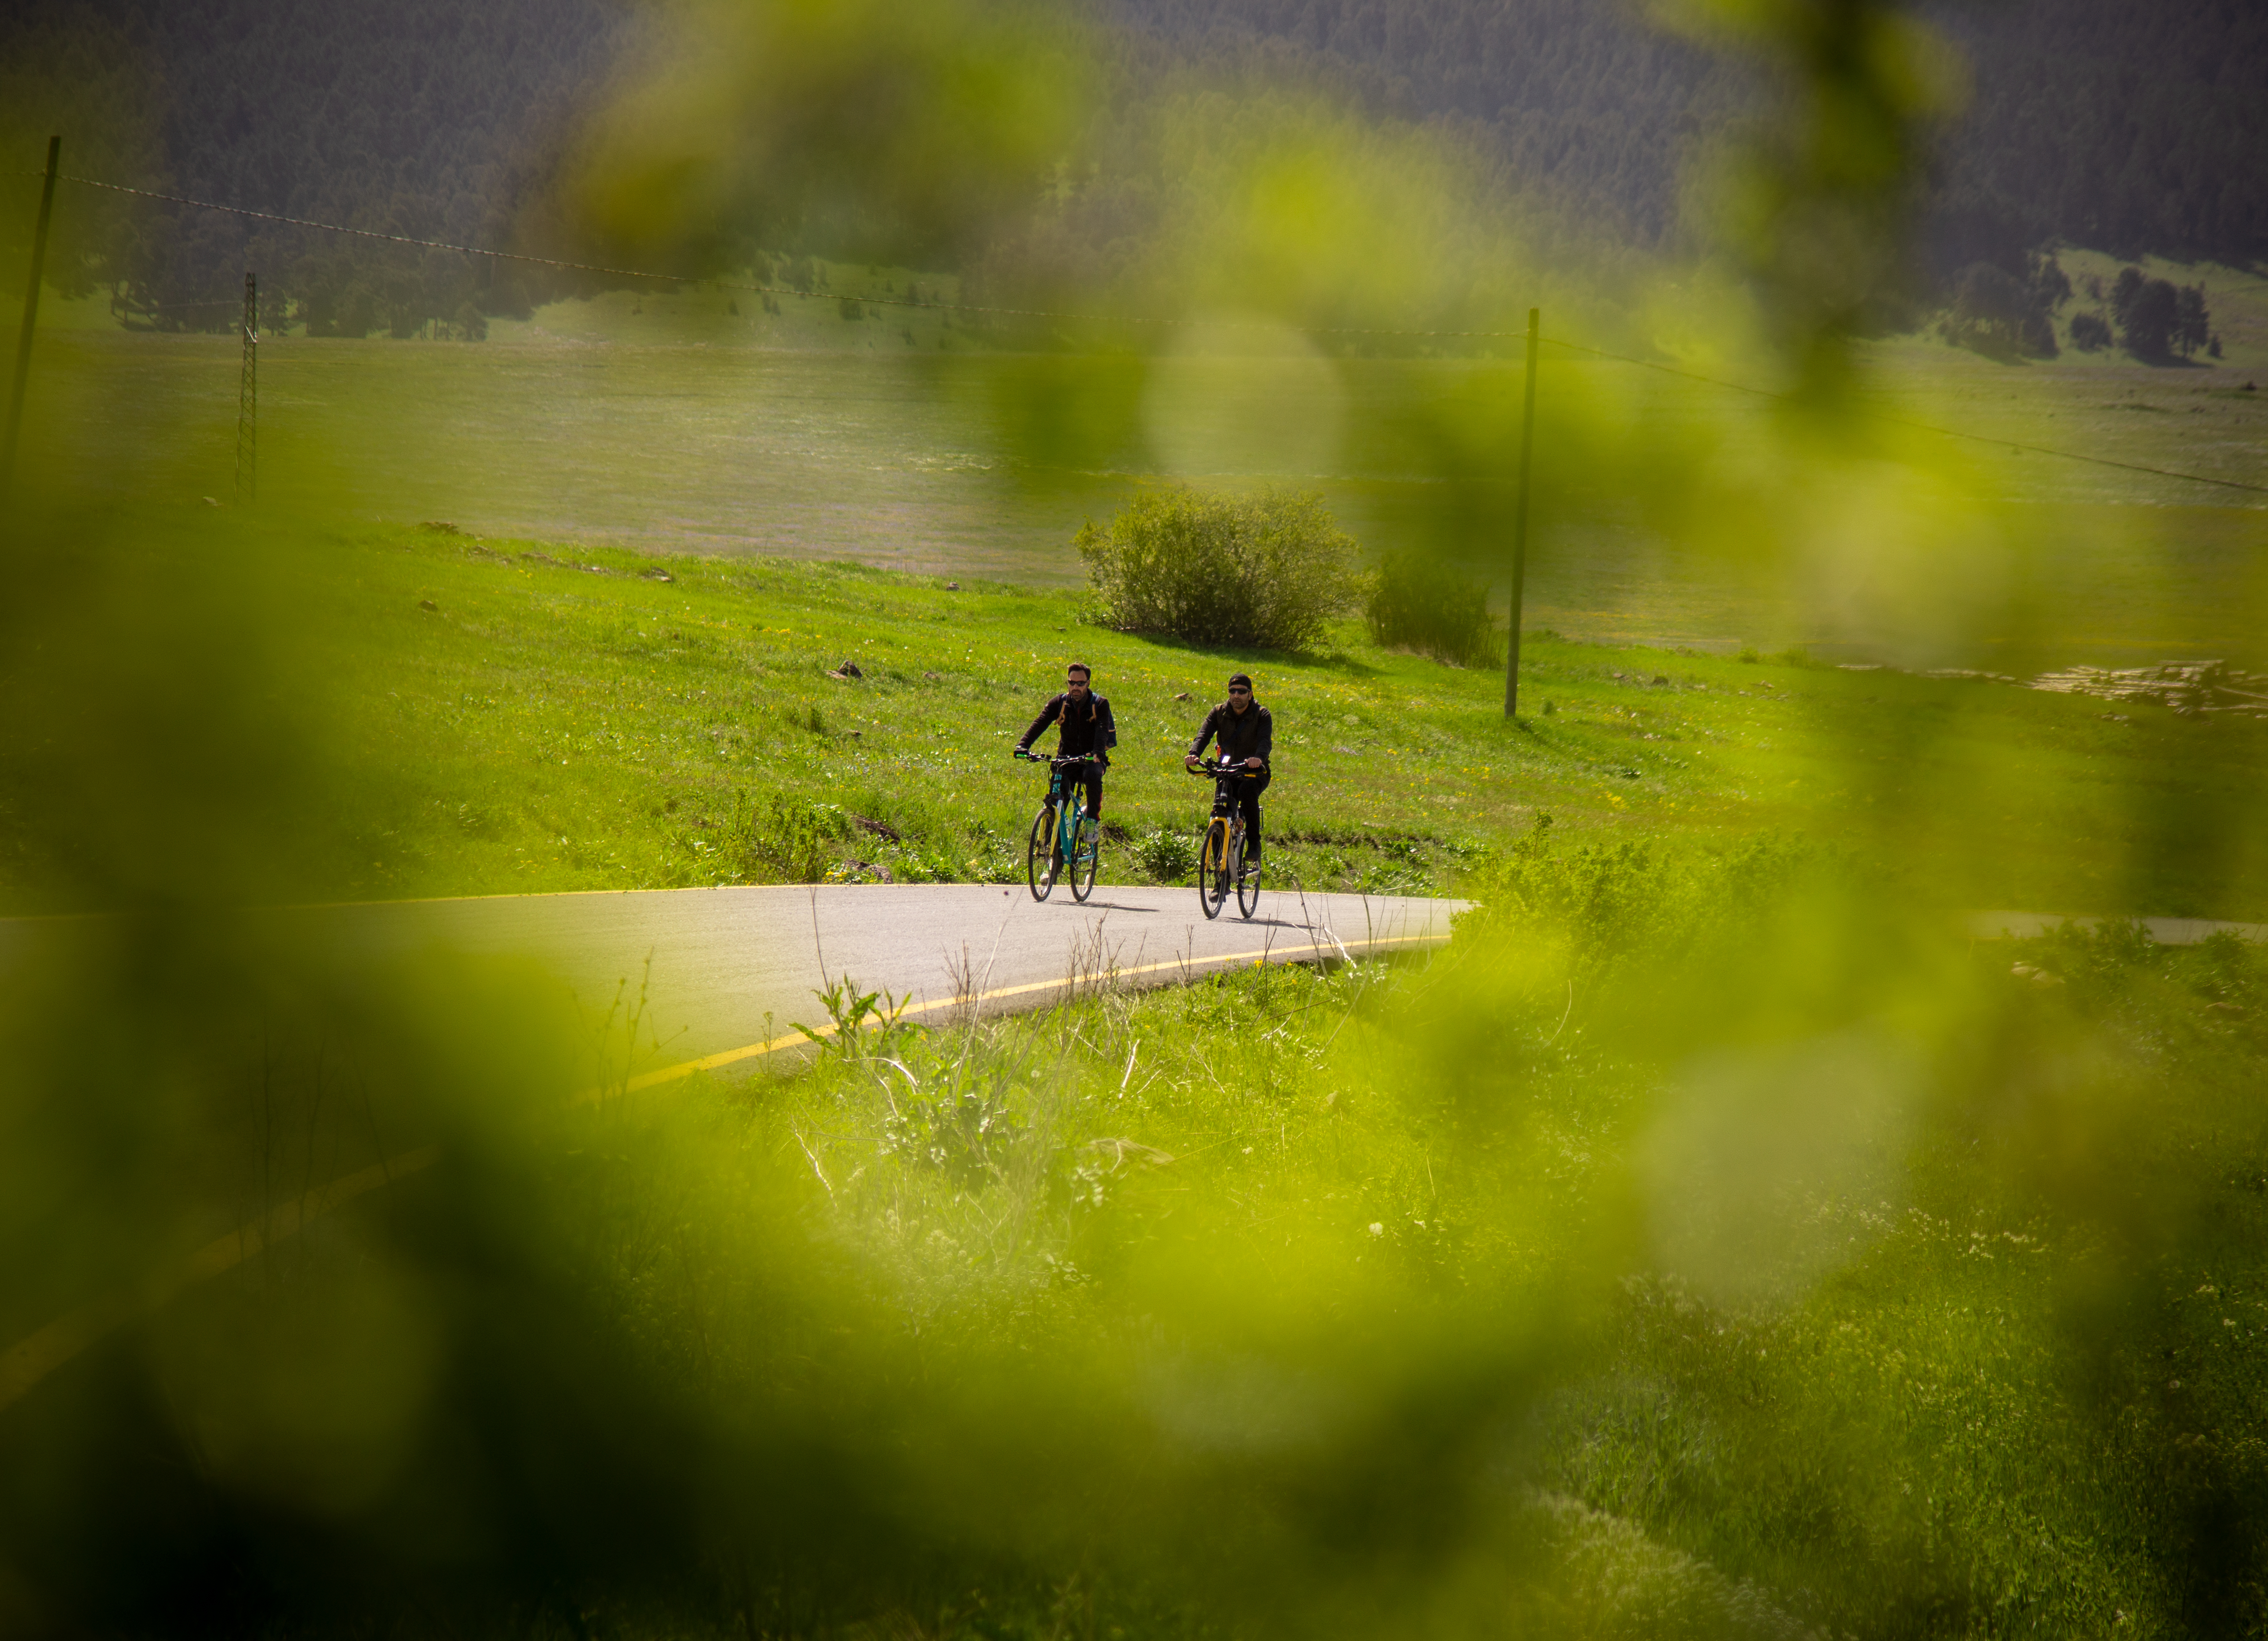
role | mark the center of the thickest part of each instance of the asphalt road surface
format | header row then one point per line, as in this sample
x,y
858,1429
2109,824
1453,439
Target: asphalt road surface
x,y
731,967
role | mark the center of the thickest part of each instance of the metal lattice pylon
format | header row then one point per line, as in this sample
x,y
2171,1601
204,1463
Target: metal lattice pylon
x,y
247,399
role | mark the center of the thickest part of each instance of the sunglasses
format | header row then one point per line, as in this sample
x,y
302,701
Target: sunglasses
x,y
1074,683
1237,689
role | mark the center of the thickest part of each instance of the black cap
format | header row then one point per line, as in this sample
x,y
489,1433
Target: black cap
x,y
1239,678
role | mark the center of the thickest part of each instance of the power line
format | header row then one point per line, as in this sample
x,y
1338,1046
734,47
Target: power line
x,y
1129,320
1925,427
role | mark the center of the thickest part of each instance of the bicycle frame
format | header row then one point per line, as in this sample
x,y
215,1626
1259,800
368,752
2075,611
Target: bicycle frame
x,y
1228,814
1069,848
1225,777
1059,800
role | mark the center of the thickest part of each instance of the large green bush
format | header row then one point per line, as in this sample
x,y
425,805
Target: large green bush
x,y
1265,571
1416,603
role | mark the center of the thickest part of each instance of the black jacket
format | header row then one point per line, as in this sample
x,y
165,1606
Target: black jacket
x,y
1088,730
1250,734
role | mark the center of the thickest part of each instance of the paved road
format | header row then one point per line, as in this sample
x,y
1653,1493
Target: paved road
x,y
731,967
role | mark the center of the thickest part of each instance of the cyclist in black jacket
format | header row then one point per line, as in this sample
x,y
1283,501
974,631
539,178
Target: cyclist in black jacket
x,y
1087,727
1246,734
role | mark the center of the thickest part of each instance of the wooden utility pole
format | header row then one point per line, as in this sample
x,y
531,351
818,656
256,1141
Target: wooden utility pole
x,y
1519,530
31,318
247,399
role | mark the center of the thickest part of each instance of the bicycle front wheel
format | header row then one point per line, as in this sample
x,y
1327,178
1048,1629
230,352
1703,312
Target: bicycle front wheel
x,y
1247,878
1213,868
1040,860
1087,857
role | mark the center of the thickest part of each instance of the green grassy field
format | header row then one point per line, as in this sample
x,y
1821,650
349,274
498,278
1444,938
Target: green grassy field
x,y
1702,1245
1711,1242
667,422
530,716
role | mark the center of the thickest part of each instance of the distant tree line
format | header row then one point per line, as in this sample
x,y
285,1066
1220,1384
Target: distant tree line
x,y
1998,314
2135,130
2156,318
2094,122
420,118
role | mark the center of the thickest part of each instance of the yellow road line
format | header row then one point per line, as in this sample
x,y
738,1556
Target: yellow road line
x,y
27,1362
710,1062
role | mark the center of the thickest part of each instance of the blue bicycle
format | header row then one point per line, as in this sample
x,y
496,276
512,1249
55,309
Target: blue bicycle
x,y
1064,837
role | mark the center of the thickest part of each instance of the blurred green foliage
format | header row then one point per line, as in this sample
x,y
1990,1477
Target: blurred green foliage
x,y
1700,1247
1707,1244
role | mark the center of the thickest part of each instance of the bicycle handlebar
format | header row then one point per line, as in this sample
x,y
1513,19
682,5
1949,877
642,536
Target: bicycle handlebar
x,y
1221,771
1059,763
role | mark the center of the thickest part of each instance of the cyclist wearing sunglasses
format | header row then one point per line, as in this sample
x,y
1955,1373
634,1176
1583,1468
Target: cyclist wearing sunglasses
x,y
1087,730
1247,734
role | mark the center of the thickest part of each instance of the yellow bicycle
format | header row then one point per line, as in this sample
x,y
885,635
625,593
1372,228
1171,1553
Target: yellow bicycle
x,y
1220,852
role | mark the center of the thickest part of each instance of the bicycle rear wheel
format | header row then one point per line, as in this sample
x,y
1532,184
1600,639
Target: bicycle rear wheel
x,y
1039,859
1213,868
1087,857
1247,878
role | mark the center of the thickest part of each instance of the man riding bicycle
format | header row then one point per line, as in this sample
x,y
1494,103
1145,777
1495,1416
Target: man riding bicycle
x,y
1246,735
1088,729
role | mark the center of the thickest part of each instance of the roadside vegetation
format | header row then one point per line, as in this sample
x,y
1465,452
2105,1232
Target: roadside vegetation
x,y
1700,1246
1264,572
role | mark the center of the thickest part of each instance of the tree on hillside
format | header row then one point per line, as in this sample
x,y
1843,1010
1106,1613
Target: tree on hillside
x,y
2150,319
2123,293
2151,314
2192,327
2000,318
2050,286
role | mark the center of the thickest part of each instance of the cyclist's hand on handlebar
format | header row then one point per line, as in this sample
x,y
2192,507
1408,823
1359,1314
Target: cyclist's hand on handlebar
x,y
1251,763
1018,753
1191,760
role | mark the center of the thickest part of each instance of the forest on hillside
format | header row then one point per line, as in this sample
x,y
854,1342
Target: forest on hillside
x,y
2131,129
419,118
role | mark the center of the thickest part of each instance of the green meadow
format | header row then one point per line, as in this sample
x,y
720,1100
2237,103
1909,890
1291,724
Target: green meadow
x,y
664,422
1710,1241
538,717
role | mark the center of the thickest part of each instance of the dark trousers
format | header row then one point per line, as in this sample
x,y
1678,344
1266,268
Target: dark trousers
x,y
1247,803
1090,777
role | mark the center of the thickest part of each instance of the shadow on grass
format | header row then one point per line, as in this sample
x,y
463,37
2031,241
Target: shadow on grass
x,y
1244,660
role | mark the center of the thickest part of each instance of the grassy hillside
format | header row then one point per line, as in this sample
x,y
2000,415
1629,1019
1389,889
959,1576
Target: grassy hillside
x,y
526,715
1710,1241
809,435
